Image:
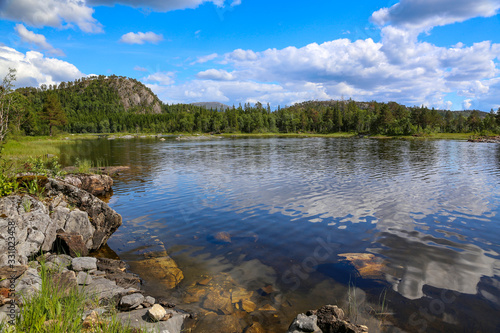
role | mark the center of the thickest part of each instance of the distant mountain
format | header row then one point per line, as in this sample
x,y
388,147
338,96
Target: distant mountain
x,y
212,105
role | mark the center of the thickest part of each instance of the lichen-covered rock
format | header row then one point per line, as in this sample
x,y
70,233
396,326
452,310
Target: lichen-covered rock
x,y
98,185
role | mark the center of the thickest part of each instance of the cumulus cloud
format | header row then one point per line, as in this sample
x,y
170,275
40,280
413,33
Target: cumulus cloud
x,y
204,59
397,68
159,5
53,13
141,38
424,14
36,39
215,74
163,78
34,69
467,104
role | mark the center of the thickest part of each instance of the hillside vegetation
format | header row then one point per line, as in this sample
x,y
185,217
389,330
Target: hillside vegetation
x,y
119,104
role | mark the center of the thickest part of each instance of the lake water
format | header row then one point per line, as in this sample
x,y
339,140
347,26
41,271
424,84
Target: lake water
x,y
404,235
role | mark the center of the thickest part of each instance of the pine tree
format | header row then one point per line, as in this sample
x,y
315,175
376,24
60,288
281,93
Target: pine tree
x,y
53,112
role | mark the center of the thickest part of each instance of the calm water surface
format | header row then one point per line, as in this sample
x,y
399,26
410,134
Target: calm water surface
x,y
404,234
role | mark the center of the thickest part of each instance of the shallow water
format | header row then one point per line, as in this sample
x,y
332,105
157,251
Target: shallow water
x,y
421,219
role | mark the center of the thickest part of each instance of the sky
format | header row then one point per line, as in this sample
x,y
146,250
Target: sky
x,y
438,53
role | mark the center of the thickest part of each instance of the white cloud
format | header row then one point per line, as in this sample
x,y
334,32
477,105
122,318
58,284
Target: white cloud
x,y
158,5
466,104
36,39
398,68
140,69
236,3
53,13
203,59
163,78
141,38
422,15
215,74
34,69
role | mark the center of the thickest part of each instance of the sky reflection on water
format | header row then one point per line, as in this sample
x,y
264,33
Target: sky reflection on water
x,y
430,209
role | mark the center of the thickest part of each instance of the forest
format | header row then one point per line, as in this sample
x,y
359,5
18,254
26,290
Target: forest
x,y
103,105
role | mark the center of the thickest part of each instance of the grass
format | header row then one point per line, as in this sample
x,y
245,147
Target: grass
x,y
57,309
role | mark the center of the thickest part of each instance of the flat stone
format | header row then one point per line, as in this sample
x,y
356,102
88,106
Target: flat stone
x,y
248,305
84,263
150,300
137,319
267,307
131,301
157,312
65,281
83,278
103,289
240,294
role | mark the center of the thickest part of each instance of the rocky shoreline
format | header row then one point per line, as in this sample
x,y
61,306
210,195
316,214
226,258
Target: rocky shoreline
x,y
56,232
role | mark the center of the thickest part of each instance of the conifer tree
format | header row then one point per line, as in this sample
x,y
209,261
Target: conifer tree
x,y
53,112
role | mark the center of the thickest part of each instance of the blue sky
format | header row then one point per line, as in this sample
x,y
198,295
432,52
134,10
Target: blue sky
x,y
440,53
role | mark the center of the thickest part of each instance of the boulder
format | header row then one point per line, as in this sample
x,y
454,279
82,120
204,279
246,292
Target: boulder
x,y
83,278
71,243
104,219
98,185
33,225
328,319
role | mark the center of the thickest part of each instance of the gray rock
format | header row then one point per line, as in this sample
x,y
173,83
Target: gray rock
x,y
157,312
104,219
59,260
130,302
103,290
29,284
136,318
150,300
83,278
84,263
327,319
304,323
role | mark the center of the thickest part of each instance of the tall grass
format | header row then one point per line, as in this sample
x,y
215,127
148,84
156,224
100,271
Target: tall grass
x,y
58,308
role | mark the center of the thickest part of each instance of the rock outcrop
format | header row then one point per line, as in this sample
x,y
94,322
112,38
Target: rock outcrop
x,y
98,185
32,225
328,319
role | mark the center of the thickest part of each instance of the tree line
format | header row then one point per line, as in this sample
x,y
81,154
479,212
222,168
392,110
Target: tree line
x,y
94,105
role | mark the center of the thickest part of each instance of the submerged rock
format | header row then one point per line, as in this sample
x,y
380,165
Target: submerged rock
x,y
162,268
368,265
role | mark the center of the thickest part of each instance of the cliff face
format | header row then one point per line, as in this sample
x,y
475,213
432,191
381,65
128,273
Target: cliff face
x,y
134,95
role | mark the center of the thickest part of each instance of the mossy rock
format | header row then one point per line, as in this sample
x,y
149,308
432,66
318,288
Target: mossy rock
x,y
23,181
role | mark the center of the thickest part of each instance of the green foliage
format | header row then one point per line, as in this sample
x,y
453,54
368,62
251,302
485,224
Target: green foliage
x,y
83,166
26,203
48,166
7,185
34,186
52,112
103,105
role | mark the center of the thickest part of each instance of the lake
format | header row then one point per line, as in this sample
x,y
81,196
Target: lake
x,y
403,234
